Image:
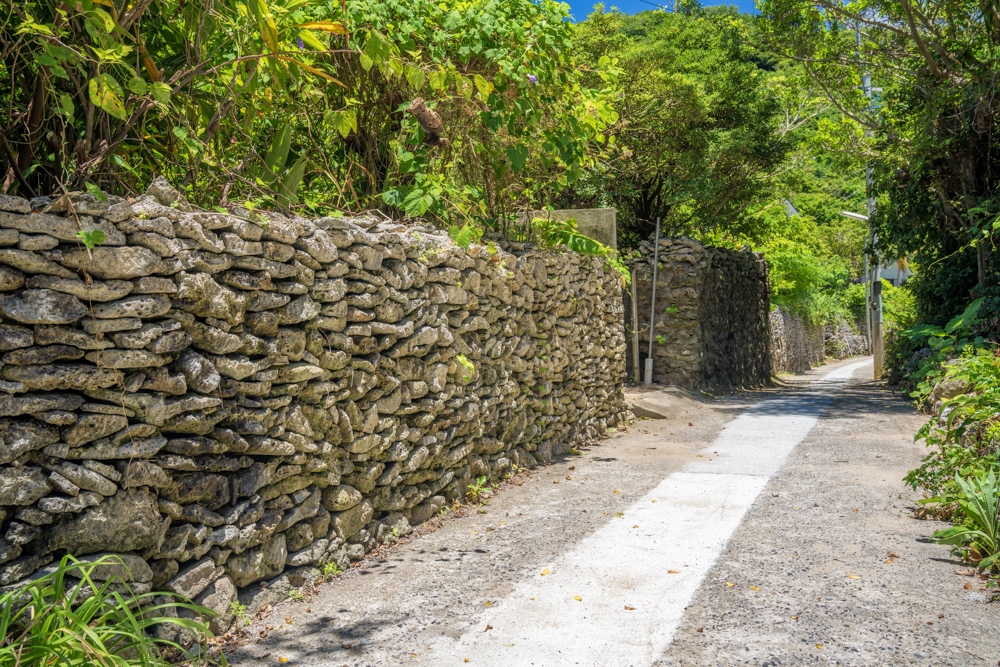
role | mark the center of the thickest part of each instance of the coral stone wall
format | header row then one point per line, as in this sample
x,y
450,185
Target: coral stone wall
x,y
219,398
797,346
711,322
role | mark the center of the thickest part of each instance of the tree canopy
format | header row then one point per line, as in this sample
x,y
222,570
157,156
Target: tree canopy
x,y
698,140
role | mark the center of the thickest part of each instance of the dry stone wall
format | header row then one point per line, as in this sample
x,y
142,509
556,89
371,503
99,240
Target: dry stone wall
x,y
795,346
221,398
711,325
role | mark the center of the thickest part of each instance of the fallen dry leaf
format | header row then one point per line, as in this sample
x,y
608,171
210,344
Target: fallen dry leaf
x,y
853,576
282,659
700,630
636,526
488,628
819,646
545,571
968,586
617,492
578,598
673,572
488,604
690,424
730,584
755,588
628,608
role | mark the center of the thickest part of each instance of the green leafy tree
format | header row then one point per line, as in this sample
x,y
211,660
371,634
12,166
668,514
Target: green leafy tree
x,y
698,140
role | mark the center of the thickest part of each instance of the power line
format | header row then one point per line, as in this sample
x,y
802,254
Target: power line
x,y
670,9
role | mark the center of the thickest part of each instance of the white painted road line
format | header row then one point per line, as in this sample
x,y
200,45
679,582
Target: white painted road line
x,y
633,583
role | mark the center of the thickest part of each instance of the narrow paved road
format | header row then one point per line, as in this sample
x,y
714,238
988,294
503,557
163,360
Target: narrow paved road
x,y
769,528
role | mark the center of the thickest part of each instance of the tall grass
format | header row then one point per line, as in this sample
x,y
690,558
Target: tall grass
x,y
64,618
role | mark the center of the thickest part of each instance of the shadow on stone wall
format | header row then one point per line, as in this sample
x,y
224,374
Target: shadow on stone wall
x,y
711,323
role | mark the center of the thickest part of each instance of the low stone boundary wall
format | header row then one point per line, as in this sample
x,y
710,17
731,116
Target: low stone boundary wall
x,y
221,398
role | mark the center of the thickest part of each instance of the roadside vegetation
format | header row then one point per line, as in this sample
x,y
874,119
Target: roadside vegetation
x,y
927,133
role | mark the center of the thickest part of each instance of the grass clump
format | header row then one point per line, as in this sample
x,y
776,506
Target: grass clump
x,y
65,617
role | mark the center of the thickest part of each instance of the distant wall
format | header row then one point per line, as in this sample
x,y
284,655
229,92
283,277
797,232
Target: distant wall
x,y
221,398
797,346
711,326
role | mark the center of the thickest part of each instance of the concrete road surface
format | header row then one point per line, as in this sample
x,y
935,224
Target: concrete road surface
x,y
768,528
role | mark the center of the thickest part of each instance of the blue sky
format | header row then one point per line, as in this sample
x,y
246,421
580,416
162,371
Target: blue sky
x,y
583,7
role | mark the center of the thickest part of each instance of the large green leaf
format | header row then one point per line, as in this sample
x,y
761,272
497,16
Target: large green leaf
x,y
518,156
966,319
106,94
274,161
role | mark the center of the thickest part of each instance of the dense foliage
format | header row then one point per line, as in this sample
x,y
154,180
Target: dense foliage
x,y
931,127
300,102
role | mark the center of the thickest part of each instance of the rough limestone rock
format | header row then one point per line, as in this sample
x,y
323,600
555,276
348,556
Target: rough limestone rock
x,y
263,562
41,306
114,263
124,567
127,522
22,486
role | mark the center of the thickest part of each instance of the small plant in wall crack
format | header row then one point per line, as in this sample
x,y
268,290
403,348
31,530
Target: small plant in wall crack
x,y
330,570
239,611
476,490
469,367
90,238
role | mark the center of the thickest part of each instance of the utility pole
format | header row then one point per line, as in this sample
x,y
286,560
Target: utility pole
x,y
874,277
873,268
